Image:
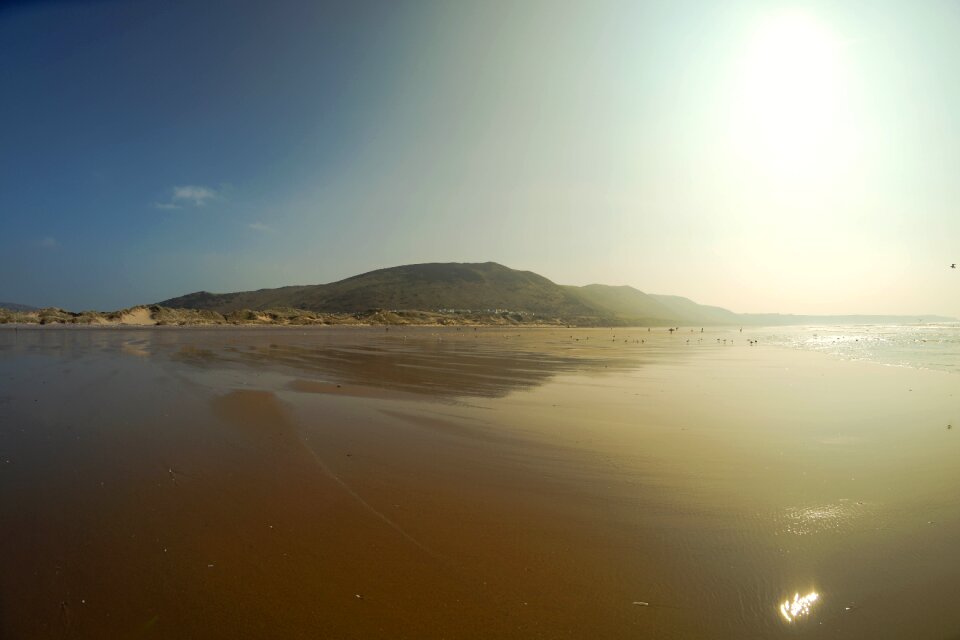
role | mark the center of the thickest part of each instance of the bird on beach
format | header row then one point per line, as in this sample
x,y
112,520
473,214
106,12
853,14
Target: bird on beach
x,y
953,266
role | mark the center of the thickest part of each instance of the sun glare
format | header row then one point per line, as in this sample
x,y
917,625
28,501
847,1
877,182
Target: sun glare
x,y
789,108
799,607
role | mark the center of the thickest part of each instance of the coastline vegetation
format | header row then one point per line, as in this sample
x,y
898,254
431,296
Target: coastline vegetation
x,y
156,315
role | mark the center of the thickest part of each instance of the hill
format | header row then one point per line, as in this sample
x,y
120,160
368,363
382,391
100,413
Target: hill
x,y
13,306
484,286
492,290
626,304
693,313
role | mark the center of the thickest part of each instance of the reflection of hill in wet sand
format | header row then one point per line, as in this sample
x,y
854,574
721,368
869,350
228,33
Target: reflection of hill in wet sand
x,y
420,364
434,371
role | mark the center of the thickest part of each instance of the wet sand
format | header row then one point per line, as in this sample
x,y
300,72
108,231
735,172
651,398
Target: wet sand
x,y
451,483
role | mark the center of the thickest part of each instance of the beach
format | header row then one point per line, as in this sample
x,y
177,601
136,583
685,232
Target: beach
x,y
460,482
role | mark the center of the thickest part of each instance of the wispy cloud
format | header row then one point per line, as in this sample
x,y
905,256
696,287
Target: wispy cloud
x,y
198,196
260,227
189,195
48,242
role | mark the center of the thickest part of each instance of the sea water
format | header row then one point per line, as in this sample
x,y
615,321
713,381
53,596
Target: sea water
x,y
918,346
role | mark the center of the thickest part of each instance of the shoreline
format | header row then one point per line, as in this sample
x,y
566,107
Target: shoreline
x,y
155,315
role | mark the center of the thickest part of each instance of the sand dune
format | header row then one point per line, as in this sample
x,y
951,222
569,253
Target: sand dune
x,y
138,316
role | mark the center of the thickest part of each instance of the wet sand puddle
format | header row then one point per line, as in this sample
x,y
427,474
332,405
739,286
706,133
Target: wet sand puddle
x,y
444,483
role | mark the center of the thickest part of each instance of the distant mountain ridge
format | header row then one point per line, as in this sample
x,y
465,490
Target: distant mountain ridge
x,y
487,287
13,306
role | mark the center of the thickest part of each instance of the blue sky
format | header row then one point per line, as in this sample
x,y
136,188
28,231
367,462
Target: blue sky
x,y
149,149
114,106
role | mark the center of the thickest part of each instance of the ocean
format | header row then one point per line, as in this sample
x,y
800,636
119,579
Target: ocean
x,y
918,346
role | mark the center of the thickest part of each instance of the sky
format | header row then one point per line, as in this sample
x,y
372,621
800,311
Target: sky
x,y
760,156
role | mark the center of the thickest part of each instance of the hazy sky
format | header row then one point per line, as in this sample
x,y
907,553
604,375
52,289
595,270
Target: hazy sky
x,y
796,157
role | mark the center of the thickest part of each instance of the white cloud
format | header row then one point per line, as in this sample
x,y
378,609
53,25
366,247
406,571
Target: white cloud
x,y
194,194
48,242
188,195
259,226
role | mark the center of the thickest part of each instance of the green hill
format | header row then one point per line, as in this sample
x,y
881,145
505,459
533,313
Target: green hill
x,y
626,303
461,286
477,287
490,288
692,313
